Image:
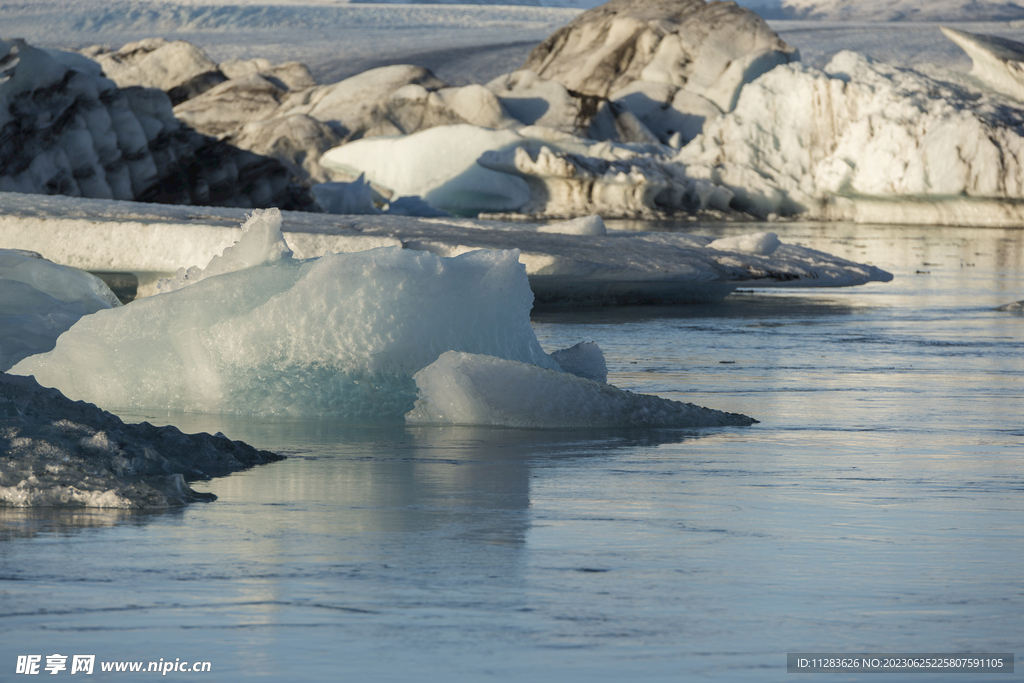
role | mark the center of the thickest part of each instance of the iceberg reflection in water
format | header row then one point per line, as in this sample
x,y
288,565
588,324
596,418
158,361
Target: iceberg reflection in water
x,y
877,506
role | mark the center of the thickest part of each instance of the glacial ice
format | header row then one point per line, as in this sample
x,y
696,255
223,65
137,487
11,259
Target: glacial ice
x,y
821,143
372,335
760,243
55,452
998,62
583,269
584,360
438,164
71,131
338,335
470,389
39,300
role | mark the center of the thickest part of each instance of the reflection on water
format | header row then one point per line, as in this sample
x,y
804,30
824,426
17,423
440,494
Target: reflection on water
x,y
876,507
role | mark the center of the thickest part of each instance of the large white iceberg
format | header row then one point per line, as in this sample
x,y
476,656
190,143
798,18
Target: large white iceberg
x,y
817,143
581,267
259,332
339,335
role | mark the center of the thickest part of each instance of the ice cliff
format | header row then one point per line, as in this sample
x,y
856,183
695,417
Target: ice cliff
x,y
58,452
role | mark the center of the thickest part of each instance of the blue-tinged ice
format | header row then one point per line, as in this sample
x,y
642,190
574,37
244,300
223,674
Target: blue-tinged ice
x,y
339,335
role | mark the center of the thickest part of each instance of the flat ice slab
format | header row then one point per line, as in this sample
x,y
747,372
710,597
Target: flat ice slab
x,y
618,268
55,452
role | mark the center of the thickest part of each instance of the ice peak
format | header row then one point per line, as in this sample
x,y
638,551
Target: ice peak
x,y
261,242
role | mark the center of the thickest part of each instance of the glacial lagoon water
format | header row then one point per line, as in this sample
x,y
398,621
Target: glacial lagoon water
x,y
877,507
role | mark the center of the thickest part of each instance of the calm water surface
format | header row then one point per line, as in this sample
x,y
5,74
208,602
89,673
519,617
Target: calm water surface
x,y
878,507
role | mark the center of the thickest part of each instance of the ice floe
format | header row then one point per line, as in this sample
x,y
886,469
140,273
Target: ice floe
x,y
379,334
55,452
338,335
40,300
463,388
577,269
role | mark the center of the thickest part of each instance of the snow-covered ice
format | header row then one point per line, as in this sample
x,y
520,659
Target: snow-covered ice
x,y
39,300
55,452
817,143
153,241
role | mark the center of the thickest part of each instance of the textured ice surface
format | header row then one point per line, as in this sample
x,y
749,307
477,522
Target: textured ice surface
x,y
339,335
57,452
761,243
438,164
619,267
804,141
39,300
584,359
465,388
997,62
261,242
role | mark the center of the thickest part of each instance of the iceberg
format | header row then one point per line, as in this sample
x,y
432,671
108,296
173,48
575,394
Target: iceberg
x,y
863,140
381,334
55,452
40,300
567,263
464,388
340,335
997,62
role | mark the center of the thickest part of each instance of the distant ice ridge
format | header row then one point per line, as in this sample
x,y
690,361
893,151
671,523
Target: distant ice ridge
x,y
39,300
59,453
259,332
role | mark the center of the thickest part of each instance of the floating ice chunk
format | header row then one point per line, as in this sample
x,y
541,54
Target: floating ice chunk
x,y
353,198
340,335
584,360
261,242
760,243
465,388
438,164
57,452
39,300
1015,307
584,225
